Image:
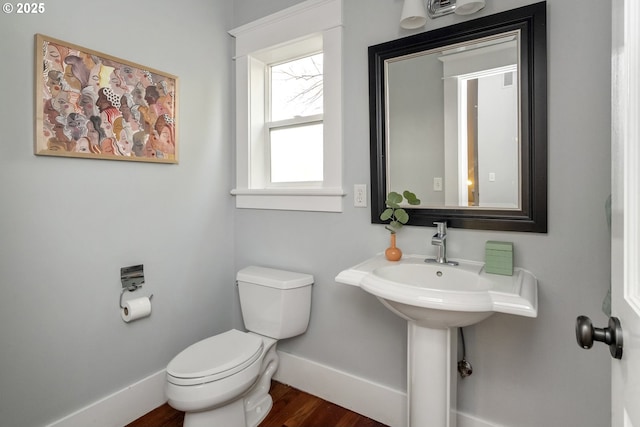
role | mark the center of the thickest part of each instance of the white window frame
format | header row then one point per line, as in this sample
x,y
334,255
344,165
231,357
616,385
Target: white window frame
x,y
309,26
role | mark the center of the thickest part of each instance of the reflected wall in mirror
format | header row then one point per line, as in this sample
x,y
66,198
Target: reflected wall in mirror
x,y
458,116
454,138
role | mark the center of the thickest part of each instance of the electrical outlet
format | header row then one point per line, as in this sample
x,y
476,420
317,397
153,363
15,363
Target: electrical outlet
x,y
437,183
360,195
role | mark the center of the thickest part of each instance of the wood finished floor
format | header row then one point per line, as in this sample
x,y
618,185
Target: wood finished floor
x,y
291,408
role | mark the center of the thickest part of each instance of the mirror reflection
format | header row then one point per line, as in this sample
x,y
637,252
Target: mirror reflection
x,y
453,124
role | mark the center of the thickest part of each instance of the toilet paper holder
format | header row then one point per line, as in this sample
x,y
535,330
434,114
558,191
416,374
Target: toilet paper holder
x,y
132,279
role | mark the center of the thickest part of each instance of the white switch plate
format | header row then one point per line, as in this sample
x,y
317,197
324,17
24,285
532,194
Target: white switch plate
x,y
360,195
492,176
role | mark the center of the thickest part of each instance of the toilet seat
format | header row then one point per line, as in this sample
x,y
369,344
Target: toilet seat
x,y
214,358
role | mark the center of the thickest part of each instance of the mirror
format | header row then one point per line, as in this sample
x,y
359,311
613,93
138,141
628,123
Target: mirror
x,y
458,116
460,129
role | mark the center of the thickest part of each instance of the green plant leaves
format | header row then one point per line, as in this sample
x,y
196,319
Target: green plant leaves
x,y
393,200
387,214
401,215
411,198
394,212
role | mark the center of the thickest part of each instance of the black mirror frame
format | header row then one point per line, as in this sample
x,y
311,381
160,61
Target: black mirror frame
x,y
532,217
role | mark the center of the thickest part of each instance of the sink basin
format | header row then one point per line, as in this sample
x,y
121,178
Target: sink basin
x,y
463,277
442,296
435,299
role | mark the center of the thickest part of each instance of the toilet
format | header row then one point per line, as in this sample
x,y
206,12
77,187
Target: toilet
x,y
224,380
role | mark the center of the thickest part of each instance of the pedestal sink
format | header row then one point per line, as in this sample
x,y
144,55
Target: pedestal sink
x,y
435,299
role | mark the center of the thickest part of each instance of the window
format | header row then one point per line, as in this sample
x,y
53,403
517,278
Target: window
x,y
289,109
294,130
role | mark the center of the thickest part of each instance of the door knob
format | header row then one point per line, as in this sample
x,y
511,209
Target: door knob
x,y
586,334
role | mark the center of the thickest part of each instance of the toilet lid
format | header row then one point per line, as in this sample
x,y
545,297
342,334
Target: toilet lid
x,y
216,357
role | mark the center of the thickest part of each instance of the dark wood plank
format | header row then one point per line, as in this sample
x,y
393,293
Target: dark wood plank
x,y
291,408
326,414
163,416
277,390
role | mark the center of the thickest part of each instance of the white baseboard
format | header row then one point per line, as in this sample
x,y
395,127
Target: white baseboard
x,y
121,407
373,400
359,395
466,420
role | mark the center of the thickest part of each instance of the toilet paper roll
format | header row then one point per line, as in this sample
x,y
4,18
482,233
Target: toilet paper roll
x,y
136,308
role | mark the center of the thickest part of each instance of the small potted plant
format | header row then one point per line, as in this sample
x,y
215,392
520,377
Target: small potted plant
x,y
397,217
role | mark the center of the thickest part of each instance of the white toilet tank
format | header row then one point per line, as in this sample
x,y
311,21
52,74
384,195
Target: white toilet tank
x,y
275,303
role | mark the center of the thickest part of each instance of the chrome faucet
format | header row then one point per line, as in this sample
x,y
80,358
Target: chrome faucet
x,y
439,240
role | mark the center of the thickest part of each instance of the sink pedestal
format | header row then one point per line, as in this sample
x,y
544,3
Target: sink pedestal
x,y
435,300
431,376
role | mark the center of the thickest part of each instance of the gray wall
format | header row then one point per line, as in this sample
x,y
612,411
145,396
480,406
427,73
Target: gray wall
x,y
416,128
527,372
68,225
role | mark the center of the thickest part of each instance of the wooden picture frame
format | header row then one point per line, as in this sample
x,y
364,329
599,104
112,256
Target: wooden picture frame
x,y
94,106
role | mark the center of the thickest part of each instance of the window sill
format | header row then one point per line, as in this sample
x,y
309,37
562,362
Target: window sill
x,y
317,200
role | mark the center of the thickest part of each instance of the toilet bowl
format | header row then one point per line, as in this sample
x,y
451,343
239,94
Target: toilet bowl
x,y
216,371
224,380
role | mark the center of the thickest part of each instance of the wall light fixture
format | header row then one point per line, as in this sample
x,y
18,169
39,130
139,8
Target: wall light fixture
x,y
414,16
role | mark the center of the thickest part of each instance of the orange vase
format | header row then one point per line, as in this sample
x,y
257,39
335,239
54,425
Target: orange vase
x,y
393,253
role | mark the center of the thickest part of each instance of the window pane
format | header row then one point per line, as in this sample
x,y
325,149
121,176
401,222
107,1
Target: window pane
x,y
296,154
296,88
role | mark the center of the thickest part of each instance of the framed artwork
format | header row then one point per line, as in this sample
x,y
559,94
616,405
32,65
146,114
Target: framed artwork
x,y
94,106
